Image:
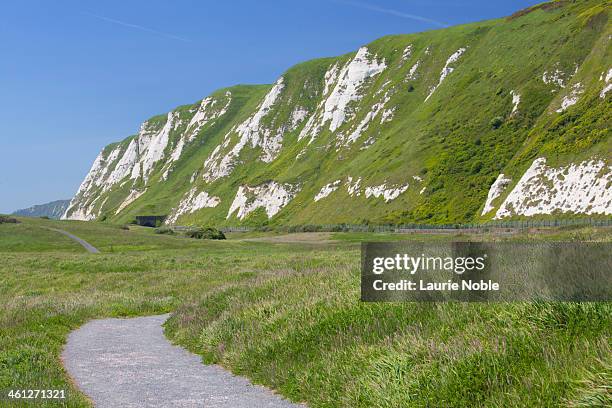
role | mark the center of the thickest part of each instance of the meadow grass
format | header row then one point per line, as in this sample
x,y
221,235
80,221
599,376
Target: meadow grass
x,y
288,315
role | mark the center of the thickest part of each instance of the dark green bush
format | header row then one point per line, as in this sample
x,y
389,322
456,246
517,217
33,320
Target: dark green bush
x,y
496,122
205,233
8,220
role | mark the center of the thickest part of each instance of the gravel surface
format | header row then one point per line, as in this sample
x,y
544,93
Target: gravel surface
x,y
85,244
130,363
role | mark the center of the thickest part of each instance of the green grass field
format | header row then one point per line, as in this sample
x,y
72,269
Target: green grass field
x,y
286,313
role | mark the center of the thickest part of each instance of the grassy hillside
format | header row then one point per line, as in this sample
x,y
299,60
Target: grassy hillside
x,y
434,116
287,314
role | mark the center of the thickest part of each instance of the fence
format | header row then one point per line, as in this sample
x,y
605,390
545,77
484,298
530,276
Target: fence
x,y
470,227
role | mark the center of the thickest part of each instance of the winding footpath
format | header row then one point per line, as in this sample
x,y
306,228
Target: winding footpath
x,y
129,363
90,248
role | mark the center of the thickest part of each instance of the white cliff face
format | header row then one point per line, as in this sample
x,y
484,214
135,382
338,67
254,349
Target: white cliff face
x,y
376,109
335,109
141,156
340,109
85,212
81,214
497,188
331,76
327,190
556,77
192,202
447,70
252,132
387,115
133,196
207,112
412,74
389,193
97,168
608,86
516,99
407,53
297,116
576,188
353,188
154,150
572,98
82,204
271,196
348,87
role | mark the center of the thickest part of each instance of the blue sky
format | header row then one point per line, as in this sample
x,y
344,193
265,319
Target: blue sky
x,y
77,75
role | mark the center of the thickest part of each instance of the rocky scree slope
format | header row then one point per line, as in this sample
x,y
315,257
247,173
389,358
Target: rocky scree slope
x,y
492,120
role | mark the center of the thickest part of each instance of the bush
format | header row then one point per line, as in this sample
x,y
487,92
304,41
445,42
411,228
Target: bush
x,y
496,122
8,220
44,217
205,233
125,227
164,230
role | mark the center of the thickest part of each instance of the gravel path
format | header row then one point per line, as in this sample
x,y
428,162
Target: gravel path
x,y
130,363
86,245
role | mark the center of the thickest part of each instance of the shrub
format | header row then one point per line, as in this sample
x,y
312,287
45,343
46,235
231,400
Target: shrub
x,y
496,122
164,230
44,217
205,233
8,220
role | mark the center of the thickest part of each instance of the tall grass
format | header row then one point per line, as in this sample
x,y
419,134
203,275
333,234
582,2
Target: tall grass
x,y
288,316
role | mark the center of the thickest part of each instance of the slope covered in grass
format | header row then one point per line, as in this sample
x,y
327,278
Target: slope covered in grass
x,y
409,128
